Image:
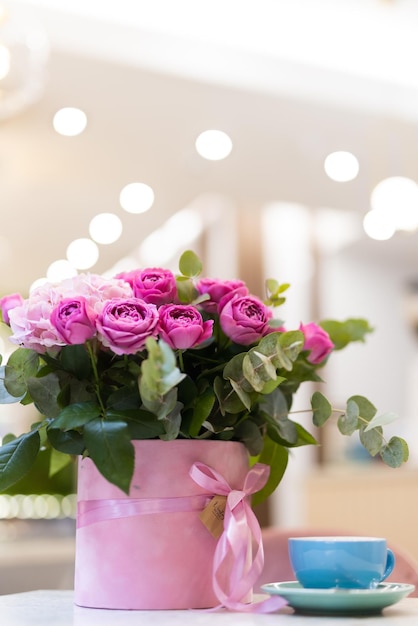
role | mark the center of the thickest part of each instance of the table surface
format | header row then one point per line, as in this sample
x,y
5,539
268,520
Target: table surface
x,y
56,608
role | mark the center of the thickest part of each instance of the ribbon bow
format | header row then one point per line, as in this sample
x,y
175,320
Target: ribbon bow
x,y
241,531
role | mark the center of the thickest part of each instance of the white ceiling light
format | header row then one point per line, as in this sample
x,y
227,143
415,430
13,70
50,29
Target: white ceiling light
x,y
136,198
397,196
59,270
378,225
213,145
69,121
341,166
24,52
82,253
105,228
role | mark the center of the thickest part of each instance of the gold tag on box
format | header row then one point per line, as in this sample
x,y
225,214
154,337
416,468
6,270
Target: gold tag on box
x,y
213,515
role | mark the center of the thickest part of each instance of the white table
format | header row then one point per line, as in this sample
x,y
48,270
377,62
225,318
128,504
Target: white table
x,y
56,608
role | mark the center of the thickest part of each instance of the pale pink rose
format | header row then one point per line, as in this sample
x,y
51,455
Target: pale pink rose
x,y
9,302
182,326
124,324
74,320
219,292
245,320
317,342
31,325
153,284
95,289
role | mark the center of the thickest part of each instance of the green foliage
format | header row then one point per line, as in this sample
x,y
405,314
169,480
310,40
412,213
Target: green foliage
x,y
95,403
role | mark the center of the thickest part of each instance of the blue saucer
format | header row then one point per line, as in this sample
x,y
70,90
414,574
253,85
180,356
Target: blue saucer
x,y
339,601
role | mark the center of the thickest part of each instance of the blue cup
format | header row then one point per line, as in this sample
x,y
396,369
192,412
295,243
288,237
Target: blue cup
x,y
340,562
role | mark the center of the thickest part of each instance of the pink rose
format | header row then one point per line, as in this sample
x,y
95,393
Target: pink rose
x,y
124,324
9,302
154,285
219,290
182,326
74,320
317,341
245,320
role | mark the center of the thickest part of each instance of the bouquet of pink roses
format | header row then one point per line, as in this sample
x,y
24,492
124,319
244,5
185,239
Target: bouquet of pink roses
x,y
148,354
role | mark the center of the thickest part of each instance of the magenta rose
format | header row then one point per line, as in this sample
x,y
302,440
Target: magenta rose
x,y
317,342
9,302
245,320
154,285
74,320
124,324
219,290
182,326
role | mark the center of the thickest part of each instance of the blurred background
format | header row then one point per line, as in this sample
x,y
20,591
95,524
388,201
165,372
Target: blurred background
x,y
309,175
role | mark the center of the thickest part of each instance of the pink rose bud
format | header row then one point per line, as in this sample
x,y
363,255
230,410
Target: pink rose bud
x,y
245,320
9,302
154,285
125,324
74,320
182,326
317,342
219,290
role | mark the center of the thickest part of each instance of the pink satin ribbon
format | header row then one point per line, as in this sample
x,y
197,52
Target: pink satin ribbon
x,y
241,534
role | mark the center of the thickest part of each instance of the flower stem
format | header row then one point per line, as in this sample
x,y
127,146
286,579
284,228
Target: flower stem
x,y
90,350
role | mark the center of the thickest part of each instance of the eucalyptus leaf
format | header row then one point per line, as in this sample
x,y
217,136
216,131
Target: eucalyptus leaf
x,y
381,420
321,407
395,452
5,396
249,433
372,440
189,264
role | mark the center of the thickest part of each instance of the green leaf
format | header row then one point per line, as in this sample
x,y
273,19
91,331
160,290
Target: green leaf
x,y
372,440
367,410
381,420
76,415
249,433
70,442
348,423
276,457
5,396
321,407
22,364
343,333
201,411
109,446
44,392
172,423
17,457
189,264
186,291
159,372
395,452
76,360
229,401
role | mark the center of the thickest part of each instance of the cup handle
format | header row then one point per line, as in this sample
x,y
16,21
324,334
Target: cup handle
x,y
390,564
